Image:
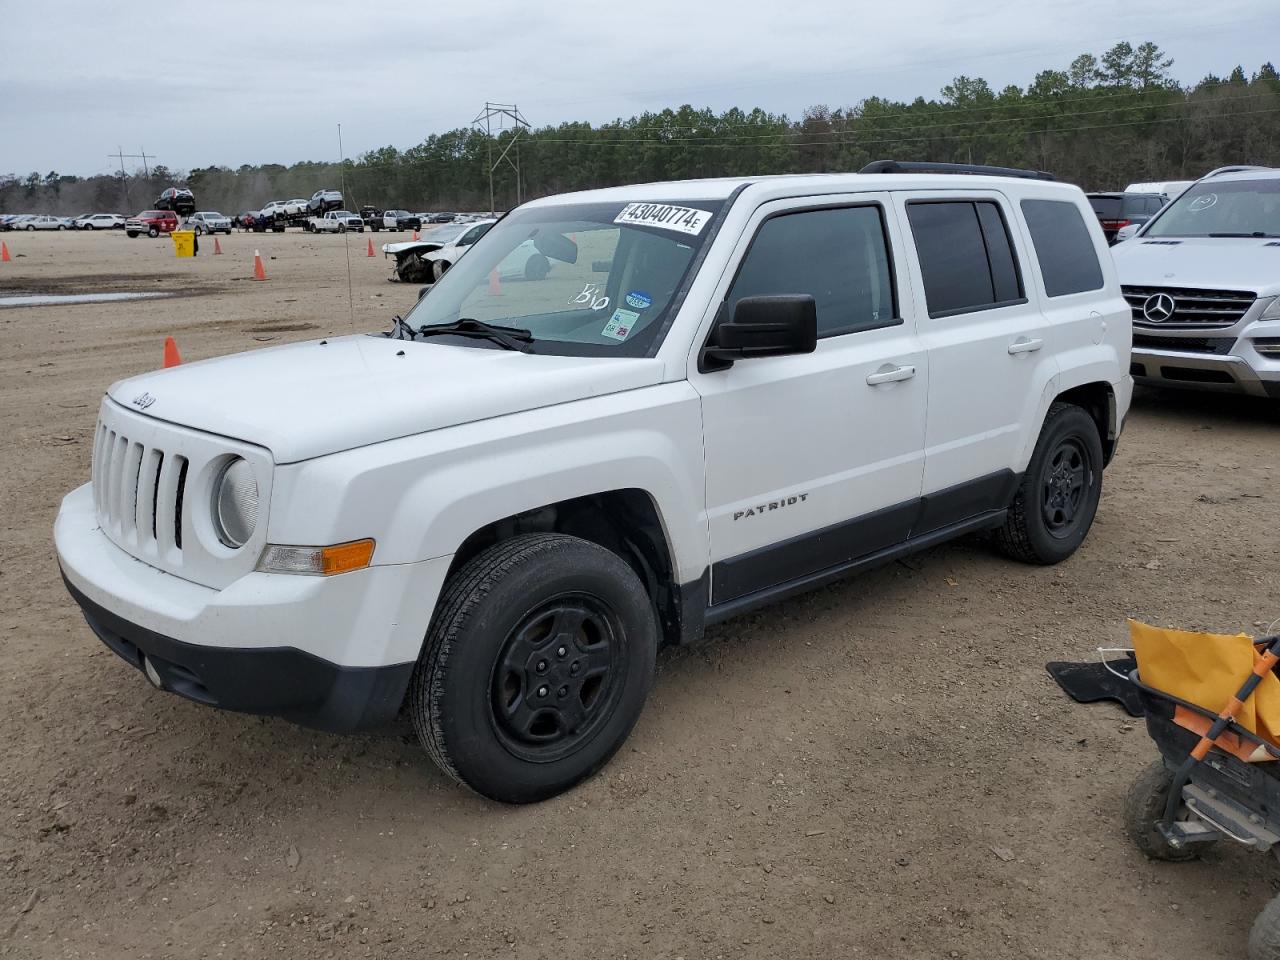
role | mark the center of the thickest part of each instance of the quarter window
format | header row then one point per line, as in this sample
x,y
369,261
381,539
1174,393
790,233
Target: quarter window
x,y
838,256
1064,248
966,257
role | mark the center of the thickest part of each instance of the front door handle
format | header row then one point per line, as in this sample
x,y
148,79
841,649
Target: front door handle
x,y
888,374
1025,346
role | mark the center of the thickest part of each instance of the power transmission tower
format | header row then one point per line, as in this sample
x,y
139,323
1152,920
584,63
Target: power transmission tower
x,y
124,177
501,113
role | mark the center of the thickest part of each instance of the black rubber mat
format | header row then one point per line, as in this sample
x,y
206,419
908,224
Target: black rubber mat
x,y
1091,682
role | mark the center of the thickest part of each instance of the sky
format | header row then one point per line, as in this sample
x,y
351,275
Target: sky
x,y
234,81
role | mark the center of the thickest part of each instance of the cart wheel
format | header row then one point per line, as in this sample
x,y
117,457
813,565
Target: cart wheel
x,y
1264,938
1143,809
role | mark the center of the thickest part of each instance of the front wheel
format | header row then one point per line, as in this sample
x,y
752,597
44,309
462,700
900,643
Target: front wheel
x,y
1144,808
199,231
438,269
153,233
1056,502
535,667
30,229
88,226
131,233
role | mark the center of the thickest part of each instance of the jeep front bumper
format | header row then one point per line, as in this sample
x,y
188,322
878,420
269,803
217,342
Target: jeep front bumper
x,y
335,653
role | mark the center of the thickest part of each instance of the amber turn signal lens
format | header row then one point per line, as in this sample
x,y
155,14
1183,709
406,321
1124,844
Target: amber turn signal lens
x,y
345,556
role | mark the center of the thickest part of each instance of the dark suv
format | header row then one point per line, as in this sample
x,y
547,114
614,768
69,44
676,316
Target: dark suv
x,y
1116,210
152,223
178,200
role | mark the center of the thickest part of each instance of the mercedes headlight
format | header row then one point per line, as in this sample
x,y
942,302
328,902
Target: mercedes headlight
x,y
235,503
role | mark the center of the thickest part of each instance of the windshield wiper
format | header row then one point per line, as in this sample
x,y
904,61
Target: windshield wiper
x,y
510,338
402,329
1257,234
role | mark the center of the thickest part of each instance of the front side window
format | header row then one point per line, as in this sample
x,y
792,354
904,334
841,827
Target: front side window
x,y
474,234
585,279
1227,208
966,258
1064,248
838,256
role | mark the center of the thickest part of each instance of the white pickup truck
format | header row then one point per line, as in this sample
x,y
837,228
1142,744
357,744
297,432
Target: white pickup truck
x,y
336,221
725,392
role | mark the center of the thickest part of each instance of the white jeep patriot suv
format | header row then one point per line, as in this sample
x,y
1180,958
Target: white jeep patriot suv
x,y
715,394
1203,278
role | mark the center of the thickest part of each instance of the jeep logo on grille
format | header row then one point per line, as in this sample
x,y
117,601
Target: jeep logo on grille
x,y
1158,308
143,400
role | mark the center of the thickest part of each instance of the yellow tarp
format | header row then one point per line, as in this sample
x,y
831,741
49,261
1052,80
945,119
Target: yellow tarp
x,y
1207,669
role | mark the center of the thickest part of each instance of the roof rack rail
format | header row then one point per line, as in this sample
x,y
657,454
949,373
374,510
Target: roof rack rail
x,y
976,169
1235,168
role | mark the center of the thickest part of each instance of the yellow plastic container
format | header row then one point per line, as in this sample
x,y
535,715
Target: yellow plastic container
x,y
184,243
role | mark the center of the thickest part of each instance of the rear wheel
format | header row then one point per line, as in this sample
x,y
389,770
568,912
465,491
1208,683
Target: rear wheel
x,y
535,668
1264,938
1058,498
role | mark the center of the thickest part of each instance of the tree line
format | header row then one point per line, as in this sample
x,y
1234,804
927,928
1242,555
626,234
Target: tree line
x,y
1101,122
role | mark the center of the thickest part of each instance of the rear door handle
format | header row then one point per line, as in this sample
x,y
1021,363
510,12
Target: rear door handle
x,y
889,374
1025,346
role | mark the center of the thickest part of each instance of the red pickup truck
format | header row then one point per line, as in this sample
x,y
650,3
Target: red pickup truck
x,y
152,223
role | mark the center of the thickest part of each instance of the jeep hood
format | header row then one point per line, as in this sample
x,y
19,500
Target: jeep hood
x,y
1212,263
309,399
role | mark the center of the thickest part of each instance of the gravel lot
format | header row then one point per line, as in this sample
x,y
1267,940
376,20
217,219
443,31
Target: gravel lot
x,y
879,769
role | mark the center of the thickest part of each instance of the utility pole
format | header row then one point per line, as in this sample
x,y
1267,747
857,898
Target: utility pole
x,y
501,112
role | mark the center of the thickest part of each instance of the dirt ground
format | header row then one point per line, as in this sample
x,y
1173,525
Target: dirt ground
x,y
879,769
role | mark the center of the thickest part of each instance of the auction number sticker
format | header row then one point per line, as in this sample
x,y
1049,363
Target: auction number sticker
x,y
688,220
620,324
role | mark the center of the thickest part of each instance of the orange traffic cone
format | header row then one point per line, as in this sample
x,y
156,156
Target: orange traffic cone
x,y
171,356
259,273
415,235
371,246
217,247
4,252
495,285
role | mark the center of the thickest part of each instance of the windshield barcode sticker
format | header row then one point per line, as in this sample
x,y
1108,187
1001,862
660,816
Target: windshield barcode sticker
x,y
688,220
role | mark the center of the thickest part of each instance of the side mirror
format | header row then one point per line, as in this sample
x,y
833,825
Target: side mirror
x,y
1127,231
764,327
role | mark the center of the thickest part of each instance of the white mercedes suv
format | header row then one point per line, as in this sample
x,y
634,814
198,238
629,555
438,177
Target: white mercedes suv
x,y
712,395
1203,279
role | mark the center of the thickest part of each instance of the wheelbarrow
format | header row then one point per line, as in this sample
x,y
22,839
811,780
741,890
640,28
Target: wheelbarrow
x,y
1221,782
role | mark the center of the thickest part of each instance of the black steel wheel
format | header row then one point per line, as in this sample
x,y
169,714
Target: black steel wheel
x,y
535,668
1055,504
555,677
1144,808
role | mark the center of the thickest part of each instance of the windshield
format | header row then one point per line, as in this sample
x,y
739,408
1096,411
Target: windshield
x,y
444,234
1242,208
594,279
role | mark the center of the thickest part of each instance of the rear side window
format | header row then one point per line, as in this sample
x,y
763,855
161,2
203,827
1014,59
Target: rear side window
x,y
838,256
1063,247
966,257
1107,208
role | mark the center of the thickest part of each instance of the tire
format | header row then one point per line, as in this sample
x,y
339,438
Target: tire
x,y
1264,937
1058,497
438,268
89,226
545,604
1144,807
199,231
342,228
132,233
30,229
62,226
153,233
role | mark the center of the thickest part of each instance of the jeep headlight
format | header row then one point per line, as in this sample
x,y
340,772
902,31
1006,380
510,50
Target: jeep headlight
x,y
235,503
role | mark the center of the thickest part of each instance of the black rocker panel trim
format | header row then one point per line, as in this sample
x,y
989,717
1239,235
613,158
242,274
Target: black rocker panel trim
x,y
799,557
